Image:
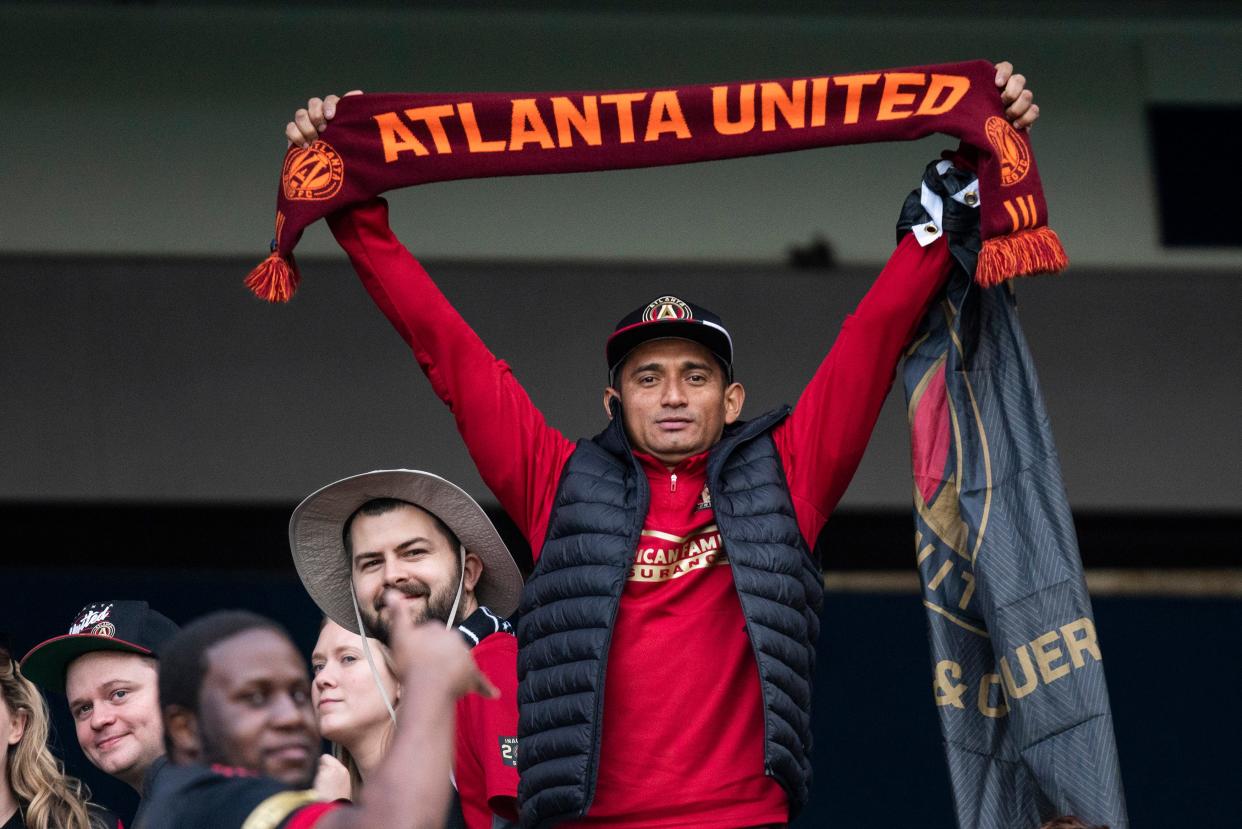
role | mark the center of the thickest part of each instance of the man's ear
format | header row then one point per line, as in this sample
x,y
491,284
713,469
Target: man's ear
x,y
734,397
473,571
611,394
181,734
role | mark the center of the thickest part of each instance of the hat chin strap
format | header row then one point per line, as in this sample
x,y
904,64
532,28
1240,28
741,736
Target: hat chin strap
x,y
366,651
366,646
461,586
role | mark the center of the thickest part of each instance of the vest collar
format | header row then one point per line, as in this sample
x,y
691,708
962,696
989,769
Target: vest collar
x,y
689,466
739,432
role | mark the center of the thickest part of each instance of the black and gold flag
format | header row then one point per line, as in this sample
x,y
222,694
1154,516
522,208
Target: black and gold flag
x,y
1017,668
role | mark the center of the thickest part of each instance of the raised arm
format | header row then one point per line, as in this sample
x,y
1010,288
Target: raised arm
x,y
518,455
823,441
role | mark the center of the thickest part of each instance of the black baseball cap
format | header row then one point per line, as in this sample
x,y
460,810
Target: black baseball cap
x,y
668,316
121,625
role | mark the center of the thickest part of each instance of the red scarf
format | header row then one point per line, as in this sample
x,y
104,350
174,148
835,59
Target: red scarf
x,y
380,142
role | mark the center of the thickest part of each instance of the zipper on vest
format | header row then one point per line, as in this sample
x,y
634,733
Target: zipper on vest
x,y
643,504
672,483
723,520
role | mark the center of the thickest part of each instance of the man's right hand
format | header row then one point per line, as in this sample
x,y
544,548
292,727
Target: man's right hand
x,y
428,652
309,122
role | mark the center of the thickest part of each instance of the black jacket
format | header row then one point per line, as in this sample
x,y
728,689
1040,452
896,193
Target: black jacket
x,y
572,597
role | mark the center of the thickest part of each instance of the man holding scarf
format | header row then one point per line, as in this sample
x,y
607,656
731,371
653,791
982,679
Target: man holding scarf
x,y
667,633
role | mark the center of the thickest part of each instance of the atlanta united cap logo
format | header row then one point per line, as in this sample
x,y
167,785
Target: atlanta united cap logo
x,y
312,173
667,308
104,629
1011,150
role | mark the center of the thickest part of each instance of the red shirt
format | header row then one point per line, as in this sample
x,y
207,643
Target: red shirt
x,y
682,742
485,767
308,816
682,738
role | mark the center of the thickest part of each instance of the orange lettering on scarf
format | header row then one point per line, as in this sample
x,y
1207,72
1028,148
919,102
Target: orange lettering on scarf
x,y
954,88
433,118
746,109
527,126
625,114
665,116
853,96
893,97
396,137
791,104
585,123
474,139
819,101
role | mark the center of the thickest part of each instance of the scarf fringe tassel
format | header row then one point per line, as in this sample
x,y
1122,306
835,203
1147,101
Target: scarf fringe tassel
x,y
1022,253
275,279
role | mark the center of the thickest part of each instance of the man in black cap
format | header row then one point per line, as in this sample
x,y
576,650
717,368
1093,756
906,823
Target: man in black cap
x,y
667,633
107,665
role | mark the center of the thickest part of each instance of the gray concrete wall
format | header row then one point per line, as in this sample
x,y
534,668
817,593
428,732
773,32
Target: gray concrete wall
x,y
147,380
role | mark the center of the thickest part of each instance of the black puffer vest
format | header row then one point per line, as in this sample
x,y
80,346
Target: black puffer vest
x,y
573,594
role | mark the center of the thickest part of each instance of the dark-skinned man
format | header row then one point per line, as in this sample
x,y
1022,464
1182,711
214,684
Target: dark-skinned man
x,y
241,735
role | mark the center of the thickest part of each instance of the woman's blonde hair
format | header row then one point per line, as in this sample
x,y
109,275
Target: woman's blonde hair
x,y
339,751
49,798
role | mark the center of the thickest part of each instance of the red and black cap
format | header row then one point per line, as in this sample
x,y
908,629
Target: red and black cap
x,y
665,317
125,626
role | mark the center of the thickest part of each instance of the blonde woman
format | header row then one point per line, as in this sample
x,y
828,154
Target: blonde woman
x,y
349,708
35,793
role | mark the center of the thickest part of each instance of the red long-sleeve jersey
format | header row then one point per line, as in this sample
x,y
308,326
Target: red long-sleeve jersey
x,y
683,737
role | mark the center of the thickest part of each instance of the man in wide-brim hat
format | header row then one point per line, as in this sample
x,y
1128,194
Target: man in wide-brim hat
x,y
427,538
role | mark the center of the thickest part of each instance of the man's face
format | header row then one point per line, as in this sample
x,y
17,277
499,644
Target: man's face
x,y
405,549
114,700
255,708
675,399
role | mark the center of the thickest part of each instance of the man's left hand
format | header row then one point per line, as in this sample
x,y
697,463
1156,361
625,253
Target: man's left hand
x,y
1019,101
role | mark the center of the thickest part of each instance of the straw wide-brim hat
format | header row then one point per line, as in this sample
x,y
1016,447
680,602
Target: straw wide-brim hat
x,y
318,546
